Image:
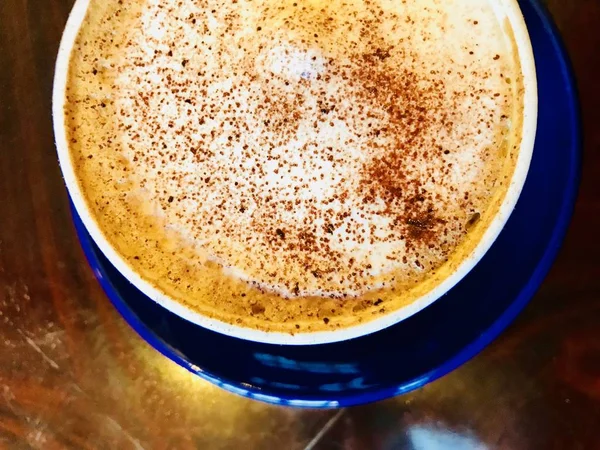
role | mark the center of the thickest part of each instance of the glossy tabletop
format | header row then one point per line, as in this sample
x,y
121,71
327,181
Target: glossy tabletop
x,y
73,375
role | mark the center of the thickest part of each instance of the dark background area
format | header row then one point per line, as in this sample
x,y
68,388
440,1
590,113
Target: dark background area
x,y
74,375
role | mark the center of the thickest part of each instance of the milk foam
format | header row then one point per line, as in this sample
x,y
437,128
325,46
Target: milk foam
x,y
308,148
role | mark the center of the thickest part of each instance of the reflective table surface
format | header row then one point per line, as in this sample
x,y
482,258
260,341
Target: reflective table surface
x,y
73,375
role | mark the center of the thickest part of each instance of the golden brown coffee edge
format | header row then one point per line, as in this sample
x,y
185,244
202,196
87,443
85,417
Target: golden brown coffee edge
x,y
236,302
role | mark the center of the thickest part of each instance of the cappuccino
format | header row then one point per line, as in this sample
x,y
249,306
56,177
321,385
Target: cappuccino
x,y
294,166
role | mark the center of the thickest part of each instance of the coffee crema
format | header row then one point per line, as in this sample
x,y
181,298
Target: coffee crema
x,y
294,166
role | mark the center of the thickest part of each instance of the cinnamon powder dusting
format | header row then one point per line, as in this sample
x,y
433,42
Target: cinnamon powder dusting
x,y
305,149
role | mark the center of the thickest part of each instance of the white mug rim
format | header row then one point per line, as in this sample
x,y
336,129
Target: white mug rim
x,y
529,124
